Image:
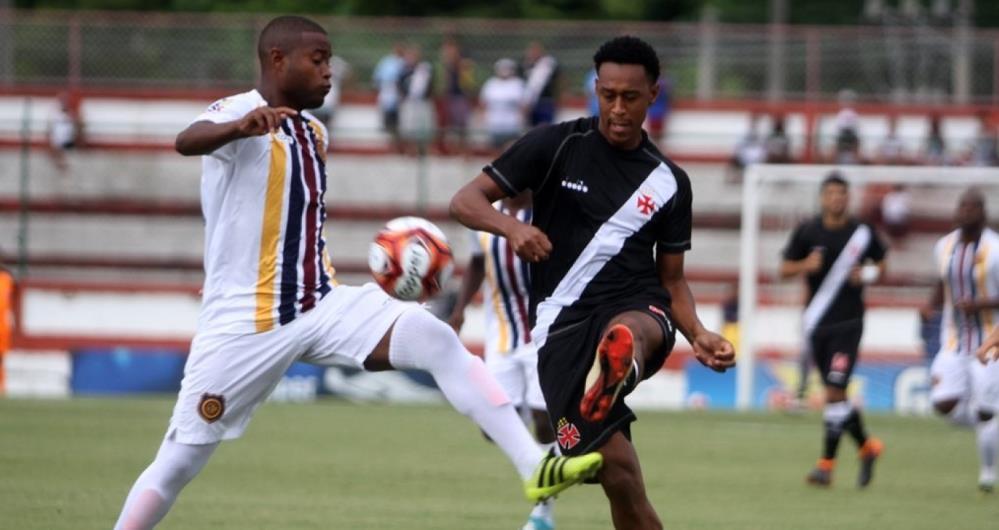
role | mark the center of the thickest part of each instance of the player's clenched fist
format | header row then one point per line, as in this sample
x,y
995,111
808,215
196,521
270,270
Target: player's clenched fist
x,y
713,351
529,243
262,120
989,350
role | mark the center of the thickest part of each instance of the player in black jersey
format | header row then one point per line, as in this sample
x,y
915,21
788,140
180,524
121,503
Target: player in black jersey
x,y
612,219
837,255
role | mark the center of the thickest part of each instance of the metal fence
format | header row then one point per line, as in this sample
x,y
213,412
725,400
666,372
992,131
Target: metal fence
x,y
706,60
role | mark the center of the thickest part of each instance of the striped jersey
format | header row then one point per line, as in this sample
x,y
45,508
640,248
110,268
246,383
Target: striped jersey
x,y
506,291
968,271
262,199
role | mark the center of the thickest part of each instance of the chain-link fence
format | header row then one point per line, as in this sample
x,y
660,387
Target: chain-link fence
x,y
707,60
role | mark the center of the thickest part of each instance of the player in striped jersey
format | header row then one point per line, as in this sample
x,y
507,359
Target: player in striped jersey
x,y
269,294
965,391
509,353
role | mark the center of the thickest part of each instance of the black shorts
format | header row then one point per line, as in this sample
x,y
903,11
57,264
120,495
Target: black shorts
x,y
564,362
834,348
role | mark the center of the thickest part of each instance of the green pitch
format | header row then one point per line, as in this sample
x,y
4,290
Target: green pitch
x,y
69,464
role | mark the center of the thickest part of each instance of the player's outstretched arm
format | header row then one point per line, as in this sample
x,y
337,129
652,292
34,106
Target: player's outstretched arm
x,y
471,280
472,207
204,137
710,348
989,350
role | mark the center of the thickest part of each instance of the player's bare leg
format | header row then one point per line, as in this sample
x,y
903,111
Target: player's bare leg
x,y
543,427
621,478
418,340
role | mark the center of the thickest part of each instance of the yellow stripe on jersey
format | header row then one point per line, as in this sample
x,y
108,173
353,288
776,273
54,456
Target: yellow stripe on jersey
x,y
493,276
981,270
270,237
320,148
330,269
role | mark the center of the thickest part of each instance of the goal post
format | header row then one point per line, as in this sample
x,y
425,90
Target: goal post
x,y
789,194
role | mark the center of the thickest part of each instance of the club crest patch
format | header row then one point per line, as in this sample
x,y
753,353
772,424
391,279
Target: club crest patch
x,y
568,434
211,407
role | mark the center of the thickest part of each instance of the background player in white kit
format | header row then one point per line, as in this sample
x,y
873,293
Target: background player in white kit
x,y
965,391
510,354
269,294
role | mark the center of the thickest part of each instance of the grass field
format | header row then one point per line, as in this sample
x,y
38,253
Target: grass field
x,y
68,464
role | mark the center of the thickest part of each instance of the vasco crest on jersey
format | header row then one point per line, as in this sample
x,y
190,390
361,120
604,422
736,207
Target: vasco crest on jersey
x,y
646,203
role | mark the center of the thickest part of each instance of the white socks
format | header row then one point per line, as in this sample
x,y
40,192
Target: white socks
x,y
987,434
421,341
158,486
837,412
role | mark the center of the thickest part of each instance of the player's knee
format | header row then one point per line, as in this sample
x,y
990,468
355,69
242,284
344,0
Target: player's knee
x,y
436,347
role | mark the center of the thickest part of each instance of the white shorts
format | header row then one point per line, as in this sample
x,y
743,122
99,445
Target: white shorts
x,y
227,376
960,376
517,373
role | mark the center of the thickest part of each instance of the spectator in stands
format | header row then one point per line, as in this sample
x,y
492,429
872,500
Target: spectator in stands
x,y
339,73
896,209
501,97
590,89
891,151
935,151
777,145
655,121
386,80
416,110
6,301
984,150
458,85
540,70
750,150
65,130
847,150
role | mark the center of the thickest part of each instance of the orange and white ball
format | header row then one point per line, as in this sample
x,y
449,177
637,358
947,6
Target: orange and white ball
x,y
410,258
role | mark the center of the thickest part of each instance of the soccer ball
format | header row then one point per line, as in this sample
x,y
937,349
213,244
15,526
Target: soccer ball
x,y
410,258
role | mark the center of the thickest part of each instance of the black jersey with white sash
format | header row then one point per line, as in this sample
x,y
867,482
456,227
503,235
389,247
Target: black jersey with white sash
x,y
848,303
607,211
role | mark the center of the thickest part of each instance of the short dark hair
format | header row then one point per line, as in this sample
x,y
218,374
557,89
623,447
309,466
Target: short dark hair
x,y
834,178
629,50
284,33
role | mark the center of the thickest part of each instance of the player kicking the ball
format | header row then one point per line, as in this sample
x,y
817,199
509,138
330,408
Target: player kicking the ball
x,y
269,294
612,219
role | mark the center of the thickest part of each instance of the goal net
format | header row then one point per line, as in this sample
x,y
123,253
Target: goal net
x,y
910,207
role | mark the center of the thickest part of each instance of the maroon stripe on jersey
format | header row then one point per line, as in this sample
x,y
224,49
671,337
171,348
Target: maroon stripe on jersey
x,y
511,273
310,227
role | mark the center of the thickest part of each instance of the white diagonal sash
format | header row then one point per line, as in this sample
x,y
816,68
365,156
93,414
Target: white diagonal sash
x,y
660,186
837,276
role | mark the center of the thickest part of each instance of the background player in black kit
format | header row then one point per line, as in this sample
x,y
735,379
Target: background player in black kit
x,y
612,219
837,255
